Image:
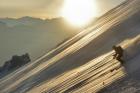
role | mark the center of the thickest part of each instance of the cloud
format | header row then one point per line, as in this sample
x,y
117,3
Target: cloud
x,y
43,8
16,8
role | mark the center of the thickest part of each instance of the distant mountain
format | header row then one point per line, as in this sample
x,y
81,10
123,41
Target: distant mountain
x,y
32,35
2,24
21,21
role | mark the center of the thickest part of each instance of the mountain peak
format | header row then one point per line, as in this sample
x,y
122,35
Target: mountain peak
x,y
27,18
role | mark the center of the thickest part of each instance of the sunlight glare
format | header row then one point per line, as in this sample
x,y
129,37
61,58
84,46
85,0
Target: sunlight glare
x,y
79,12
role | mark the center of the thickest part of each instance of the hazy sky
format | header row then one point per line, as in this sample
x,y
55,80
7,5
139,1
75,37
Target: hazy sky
x,y
43,8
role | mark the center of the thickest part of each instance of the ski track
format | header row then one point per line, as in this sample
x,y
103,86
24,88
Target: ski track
x,y
96,73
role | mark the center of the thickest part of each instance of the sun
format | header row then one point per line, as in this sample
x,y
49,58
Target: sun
x,y
79,12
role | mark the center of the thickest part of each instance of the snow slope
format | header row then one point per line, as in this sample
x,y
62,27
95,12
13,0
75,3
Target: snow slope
x,y
84,63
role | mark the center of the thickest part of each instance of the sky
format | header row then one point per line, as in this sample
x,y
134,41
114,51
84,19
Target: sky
x,y
44,8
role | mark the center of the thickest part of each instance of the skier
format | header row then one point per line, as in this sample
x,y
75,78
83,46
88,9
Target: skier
x,y
118,53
